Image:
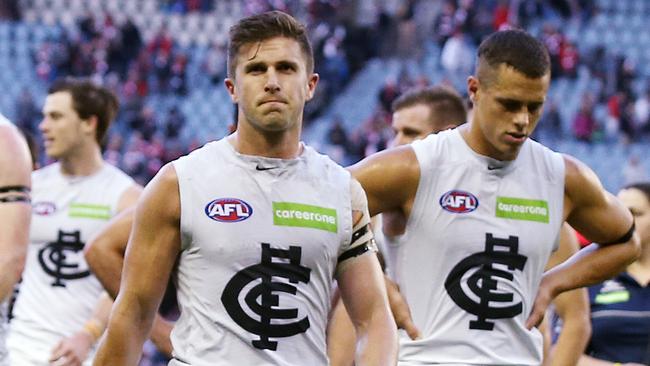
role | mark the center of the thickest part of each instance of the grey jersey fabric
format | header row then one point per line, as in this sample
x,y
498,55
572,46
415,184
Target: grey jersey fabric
x,y
260,238
476,244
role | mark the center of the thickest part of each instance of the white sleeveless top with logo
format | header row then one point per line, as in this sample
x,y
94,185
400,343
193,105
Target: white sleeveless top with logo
x,y
4,361
477,240
58,294
260,240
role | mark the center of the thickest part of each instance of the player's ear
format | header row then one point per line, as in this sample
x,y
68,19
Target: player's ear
x,y
472,87
90,124
230,87
311,85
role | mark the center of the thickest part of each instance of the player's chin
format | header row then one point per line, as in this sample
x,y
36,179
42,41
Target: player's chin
x,y
52,153
277,124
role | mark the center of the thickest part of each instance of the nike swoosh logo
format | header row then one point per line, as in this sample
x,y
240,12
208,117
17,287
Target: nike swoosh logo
x,y
262,168
493,167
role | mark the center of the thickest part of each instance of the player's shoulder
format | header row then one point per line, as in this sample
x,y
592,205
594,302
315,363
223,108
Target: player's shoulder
x,y
322,162
47,172
579,178
11,139
207,152
116,172
445,147
545,161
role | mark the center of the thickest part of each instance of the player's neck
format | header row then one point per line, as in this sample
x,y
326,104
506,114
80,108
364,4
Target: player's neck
x,y
282,145
474,138
84,162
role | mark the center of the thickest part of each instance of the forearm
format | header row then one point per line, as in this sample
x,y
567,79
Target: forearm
x,y
12,267
107,266
127,330
571,343
377,340
160,334
341,337
96,324
592,265
590,361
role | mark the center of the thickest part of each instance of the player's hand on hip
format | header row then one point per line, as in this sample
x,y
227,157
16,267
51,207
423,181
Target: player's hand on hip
x,y
72,351
545,295
401,310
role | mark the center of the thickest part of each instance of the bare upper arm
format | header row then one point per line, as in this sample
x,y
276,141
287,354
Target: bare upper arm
x,y
594,212
15,210
15,159
105,252
361,286
154,243
390,178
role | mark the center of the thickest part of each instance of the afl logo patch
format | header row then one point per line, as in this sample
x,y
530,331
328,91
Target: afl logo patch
x,y
458,202
43,208
228,210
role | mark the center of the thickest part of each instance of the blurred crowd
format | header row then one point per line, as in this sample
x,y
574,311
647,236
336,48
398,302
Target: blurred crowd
x,y
611,112
117,55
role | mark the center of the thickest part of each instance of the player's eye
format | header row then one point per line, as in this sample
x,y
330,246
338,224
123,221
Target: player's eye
x,y
510,105
534,107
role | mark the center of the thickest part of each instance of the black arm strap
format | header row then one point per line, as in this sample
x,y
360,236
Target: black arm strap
x,y
14,194
15,189
623,239
354,252
359,233
11,199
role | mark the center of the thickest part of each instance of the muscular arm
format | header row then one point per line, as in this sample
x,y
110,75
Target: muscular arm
x,y
362,289
15,209
601,218
390,179
366,302
153,248
105,256
572,307
105,252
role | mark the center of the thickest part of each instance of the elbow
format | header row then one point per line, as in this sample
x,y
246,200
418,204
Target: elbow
x,y
93,254
13,265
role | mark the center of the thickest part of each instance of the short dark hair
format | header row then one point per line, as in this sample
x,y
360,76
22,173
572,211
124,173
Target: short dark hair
x,y
517,49
641,186
445,104
89,100
258,28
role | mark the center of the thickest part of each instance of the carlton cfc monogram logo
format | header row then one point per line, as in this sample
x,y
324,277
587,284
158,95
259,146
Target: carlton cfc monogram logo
x,y
54,258
482,283
287,267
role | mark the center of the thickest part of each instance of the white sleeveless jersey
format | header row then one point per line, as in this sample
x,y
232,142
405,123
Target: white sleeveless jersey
x,y
260,242
58,293
477,240
4,361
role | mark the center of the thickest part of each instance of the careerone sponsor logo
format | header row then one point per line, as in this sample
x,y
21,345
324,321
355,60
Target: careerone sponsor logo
x,y
522,209
303,215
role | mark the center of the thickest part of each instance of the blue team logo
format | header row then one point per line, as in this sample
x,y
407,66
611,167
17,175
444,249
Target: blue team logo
x,y
228,210
459,202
